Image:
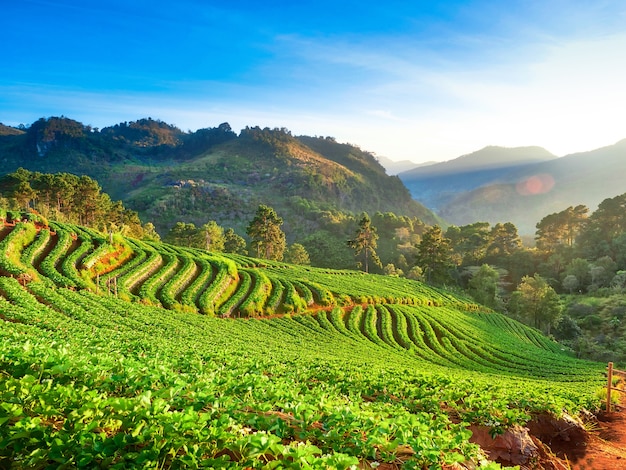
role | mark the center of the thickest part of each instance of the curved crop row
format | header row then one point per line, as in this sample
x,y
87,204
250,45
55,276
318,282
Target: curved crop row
x,y
48,265
336,318
210,297
303,291
241,291
189,296
106,257
178,282
70,262
149,287
32,252
254,304
321,295
275,298
140,271
292,301
12,246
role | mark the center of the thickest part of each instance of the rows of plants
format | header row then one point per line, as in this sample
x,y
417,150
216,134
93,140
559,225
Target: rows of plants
x,y
386,371
160,274
110,384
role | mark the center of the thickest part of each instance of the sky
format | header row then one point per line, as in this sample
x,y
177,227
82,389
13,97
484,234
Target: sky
x,y
407,80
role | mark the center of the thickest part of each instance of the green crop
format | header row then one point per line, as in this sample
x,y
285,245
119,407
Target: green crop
x,y
374,370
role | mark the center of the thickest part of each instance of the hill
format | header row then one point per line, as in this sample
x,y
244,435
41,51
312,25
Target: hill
x,y
108,361
7,130
522,194
167,175
438,184
395,167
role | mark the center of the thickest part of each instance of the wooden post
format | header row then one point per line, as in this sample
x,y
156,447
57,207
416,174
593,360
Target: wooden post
x,y
609,386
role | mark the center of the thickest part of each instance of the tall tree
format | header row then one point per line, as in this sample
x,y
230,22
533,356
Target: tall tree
x,y
504,242
580,269
212,236
435,256
365,242
297,254
470,242
89,204
483,286
150,233
607,223
183,234
234,243
265,234
536,303
561,228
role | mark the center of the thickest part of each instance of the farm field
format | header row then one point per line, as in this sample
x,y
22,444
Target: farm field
x,y
120,353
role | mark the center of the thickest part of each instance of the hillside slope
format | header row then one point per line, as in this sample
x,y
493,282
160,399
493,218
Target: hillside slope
x,y
438,184
378,369
168,175
528,194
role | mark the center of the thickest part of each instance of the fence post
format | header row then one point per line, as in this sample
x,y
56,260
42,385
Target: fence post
x,y
609,385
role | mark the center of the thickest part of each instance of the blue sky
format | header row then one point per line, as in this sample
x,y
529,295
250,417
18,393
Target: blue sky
x,y
418,80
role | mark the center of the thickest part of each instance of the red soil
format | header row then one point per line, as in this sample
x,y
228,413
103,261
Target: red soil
x,y
606,447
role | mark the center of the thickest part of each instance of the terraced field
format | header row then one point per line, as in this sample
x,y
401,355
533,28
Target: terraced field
x,y
120,353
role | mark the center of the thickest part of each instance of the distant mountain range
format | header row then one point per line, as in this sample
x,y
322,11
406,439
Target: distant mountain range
x,y
394,167
521,185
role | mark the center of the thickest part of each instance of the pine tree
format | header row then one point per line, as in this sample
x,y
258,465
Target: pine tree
x,y
365,242
265,234
234,243
297,254
435,255
212,236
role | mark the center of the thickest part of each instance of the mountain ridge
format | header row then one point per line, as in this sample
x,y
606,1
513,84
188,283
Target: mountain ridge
x,y
168,175
526,193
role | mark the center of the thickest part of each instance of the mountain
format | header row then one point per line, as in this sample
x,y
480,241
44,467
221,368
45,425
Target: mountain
x,y
395,167
519,190
168,175
438,184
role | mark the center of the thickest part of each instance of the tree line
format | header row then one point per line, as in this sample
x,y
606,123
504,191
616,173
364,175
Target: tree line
x,y
69,198
576,252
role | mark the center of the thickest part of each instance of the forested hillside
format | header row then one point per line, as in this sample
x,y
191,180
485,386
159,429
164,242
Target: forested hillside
x,y
168,175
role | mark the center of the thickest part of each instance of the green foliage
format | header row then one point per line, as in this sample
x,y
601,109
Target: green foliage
x,y
435,256
11,248
328,250
69,197
183,234
483,286
536,303
297,254
212,236
504,241
145,133
365,242
266,236
561,229
234,243
99,381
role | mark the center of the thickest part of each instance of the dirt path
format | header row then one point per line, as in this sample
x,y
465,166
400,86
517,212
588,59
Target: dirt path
x,y
606,449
